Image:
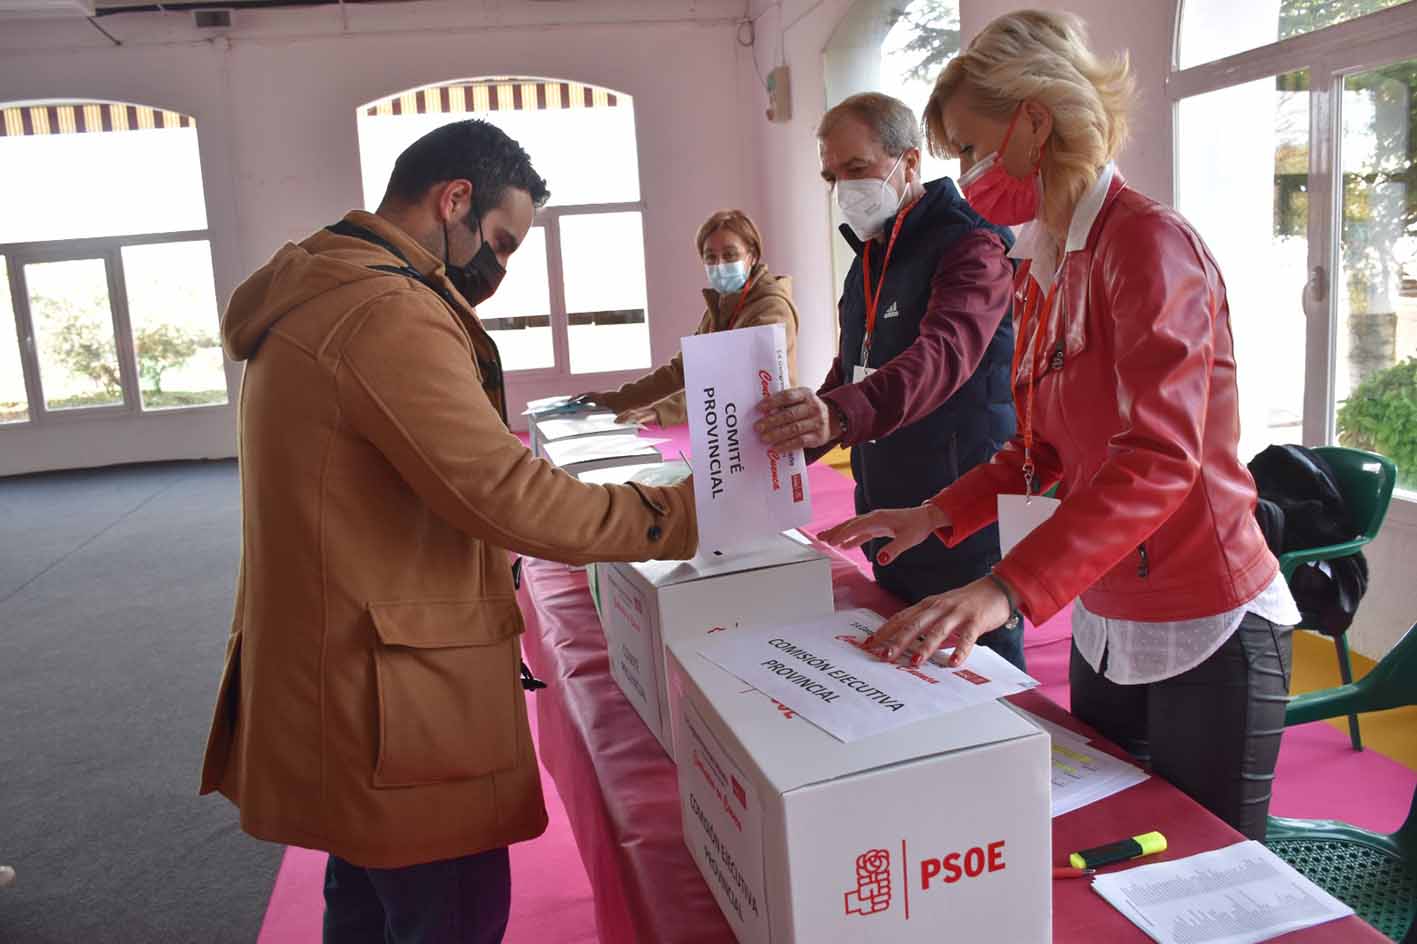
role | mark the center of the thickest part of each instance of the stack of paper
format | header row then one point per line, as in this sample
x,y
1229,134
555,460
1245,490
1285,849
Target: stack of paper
x,y
600,452
564,405
1237,895
1081,773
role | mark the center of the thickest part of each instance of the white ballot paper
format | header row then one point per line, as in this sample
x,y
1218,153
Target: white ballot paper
x,y
743,490
819,670
1019,515
561,405
1081,773
600,451
588,424
1237,895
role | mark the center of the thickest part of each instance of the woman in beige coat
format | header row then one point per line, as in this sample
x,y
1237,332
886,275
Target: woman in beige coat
x,y
742,293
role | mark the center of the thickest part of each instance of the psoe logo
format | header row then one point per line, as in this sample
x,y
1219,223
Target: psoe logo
x,y
872,893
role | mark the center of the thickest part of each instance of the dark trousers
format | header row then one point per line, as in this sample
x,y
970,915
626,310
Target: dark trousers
x,y
454,901
1213,731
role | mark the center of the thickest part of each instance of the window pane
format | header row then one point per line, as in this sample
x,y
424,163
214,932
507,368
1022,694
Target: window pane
x,y
1214,29
73,326
519,315
1249,201
14,404
172,307
147,181
603,256
1375,293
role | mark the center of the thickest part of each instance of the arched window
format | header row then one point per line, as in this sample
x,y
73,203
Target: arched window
x,y
573,301
1296,160
106,296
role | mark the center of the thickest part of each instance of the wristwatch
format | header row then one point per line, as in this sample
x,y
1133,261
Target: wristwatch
x,y
1015,619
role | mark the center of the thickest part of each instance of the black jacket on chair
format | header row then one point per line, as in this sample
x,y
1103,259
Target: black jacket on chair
x,y
1301,507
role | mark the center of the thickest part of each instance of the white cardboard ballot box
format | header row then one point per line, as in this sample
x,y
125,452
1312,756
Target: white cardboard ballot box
x,y
646,606
555,428
588,453
935,831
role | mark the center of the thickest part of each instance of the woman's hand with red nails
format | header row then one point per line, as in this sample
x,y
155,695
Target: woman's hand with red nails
x,y
906,527
959,617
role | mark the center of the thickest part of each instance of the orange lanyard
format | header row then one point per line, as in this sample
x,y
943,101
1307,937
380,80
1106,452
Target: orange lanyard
x,y
1036,306
742,297
873,303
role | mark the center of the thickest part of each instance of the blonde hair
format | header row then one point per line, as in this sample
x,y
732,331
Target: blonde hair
x,y
737,222
1034,55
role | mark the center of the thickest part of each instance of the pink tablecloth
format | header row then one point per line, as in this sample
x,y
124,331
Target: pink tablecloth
x,y
623,804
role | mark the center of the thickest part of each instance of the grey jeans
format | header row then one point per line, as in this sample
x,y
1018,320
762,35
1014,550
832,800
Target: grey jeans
x,y
1214,730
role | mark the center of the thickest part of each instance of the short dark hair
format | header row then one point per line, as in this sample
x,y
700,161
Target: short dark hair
x,y
466,150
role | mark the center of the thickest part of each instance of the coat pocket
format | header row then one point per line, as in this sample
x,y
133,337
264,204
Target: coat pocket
x,y
224,718
448,686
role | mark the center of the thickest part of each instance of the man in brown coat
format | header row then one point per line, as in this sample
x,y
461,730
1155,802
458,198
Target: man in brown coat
x,y
371,703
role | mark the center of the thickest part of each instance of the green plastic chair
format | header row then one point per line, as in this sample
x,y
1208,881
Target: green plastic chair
x,y
1373,873
1366,480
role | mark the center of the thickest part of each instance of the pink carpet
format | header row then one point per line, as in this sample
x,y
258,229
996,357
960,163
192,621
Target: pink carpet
x,y
1319,776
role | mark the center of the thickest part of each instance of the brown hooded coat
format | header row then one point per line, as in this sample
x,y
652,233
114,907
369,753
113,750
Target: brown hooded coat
x,y
371,703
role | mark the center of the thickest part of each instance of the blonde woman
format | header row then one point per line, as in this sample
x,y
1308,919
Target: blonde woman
x,y
742,293
1124,380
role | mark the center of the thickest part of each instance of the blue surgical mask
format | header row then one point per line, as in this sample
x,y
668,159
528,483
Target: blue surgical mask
x,y
727,277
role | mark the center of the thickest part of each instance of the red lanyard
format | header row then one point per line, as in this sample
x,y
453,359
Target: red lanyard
x,y
873,303
742,297
1036,306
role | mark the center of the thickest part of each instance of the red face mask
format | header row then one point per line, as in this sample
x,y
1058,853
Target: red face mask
x,y
999,196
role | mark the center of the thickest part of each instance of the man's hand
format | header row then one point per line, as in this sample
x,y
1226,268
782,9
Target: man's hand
x,y
797,419
638,415
906,526
962,615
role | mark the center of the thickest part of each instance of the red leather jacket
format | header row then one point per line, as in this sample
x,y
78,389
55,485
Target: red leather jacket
x,y
1137,421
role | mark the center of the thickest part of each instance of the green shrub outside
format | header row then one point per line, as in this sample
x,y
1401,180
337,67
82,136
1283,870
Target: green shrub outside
x,y
1381,416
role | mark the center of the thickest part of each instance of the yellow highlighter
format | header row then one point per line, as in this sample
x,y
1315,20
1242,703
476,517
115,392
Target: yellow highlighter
x,y
1134,848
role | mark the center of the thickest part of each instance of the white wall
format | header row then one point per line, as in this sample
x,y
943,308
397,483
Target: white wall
x,y
275,107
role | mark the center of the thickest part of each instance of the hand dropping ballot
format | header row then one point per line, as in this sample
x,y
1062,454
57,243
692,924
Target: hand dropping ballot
x,y
743,489
819,670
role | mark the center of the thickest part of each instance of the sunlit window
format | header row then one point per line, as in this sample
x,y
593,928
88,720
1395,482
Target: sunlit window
x,y
108,295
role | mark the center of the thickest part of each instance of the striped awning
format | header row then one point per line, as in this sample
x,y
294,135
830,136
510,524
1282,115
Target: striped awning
x,y
87,117
487,95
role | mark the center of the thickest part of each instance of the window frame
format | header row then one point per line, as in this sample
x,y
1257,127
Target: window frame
x,y
110,249
549,218
1330,56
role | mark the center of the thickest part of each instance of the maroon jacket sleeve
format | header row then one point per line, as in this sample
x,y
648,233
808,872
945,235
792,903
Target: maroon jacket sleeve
x,y
969,296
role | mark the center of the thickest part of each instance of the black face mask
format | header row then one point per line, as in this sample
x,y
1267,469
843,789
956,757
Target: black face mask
x,y
479,278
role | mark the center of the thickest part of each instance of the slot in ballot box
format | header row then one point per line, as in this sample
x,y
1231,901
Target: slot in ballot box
x,y
559,427
937,830
646,606
586,454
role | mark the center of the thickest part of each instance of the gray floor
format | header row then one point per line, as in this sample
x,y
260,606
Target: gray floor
x,y
115,602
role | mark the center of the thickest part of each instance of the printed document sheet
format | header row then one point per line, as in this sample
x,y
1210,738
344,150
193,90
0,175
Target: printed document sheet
x,y
743,490
1082,774
819,670
1237,895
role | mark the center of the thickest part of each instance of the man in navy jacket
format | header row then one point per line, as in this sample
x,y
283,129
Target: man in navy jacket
x,y
919,390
